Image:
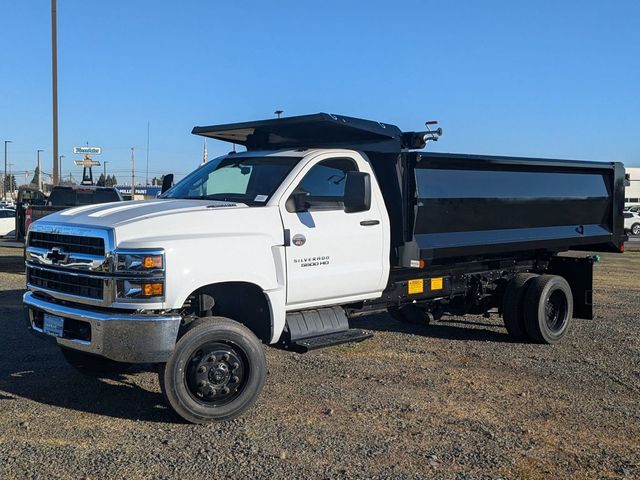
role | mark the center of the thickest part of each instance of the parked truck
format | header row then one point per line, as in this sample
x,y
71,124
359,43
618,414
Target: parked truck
x,y
67,196
323,218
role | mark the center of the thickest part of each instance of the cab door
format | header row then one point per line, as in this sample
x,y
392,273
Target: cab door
x,y
331,255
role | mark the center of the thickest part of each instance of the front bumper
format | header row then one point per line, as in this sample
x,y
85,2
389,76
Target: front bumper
x,y
134,338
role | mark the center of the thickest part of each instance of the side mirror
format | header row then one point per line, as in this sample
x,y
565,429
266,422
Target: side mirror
x,y
297,202
167,182
357,192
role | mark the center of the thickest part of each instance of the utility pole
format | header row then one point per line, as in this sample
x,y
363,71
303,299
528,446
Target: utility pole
x,y
147,179
60,176
133,174
39,178
11,183
104,164
54,72
4,179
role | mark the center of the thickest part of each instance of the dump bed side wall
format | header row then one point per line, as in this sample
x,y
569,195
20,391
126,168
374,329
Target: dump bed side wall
x,y
475,205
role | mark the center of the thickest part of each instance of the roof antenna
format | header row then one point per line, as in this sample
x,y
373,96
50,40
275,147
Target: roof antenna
x,y
279,112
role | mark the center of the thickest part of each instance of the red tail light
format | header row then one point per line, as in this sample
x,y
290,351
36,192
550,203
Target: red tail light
x,y
621,248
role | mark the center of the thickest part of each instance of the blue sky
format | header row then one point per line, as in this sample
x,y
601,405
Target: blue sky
x,y
545,78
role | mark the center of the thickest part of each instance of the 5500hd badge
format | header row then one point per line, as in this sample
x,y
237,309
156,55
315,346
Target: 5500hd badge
x,y
312,261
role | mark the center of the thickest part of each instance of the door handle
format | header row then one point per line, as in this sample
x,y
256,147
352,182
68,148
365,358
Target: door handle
x,y
369,223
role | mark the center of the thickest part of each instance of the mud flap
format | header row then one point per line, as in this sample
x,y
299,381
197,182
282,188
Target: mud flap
x,y
578,272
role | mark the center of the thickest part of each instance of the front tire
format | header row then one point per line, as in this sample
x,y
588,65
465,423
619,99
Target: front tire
x,y
635,229
216,372
548,308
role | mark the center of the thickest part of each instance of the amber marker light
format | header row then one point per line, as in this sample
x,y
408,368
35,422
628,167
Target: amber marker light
x,y
154,261
152,289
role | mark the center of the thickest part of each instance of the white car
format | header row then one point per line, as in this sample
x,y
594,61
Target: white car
x,y
7,221
632,223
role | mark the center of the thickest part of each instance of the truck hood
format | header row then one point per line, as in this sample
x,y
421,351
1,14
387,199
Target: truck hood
x,y
140,224
119,213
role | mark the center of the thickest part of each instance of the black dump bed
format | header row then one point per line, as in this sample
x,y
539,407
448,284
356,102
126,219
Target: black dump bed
x,y
468,205
443,206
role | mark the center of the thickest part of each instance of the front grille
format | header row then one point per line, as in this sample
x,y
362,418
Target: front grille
x,y
56,281
73,243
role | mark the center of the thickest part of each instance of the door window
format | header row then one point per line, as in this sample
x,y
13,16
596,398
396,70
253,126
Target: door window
x,y
325,182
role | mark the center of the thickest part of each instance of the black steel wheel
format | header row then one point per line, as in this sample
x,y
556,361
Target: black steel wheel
x,y
216,371
92,365
548,308
512,314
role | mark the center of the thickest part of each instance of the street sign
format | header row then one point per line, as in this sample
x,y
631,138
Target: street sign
x,y
87,162
87,150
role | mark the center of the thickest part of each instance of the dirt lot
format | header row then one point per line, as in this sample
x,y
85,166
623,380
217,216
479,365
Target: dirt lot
x,y
453,400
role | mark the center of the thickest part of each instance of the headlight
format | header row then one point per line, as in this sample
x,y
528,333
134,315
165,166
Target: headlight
x,y
150,261
149,290
140,275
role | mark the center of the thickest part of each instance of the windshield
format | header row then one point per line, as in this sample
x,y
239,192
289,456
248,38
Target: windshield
x,y
250,180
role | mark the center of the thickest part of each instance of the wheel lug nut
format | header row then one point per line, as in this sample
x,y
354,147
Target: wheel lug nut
x,y
225,357
235,366
211,359
211,392
202,369
225,390
235,379
202,384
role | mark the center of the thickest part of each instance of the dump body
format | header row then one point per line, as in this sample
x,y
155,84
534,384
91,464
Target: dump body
x,y
463,205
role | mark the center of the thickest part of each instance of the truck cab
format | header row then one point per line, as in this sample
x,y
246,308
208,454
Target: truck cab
x,y
283,243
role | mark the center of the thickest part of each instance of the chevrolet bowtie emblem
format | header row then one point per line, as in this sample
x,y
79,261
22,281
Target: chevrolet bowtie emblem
x,y
57,255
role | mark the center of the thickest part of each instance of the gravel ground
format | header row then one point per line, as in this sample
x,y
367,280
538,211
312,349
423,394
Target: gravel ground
x,y
453,400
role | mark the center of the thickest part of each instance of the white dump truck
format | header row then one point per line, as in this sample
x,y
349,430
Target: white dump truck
x,y
322,218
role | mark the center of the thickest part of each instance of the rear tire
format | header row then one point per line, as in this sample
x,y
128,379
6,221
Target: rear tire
x,y
92,365
512,313
548,309
410,314
216,371
635,229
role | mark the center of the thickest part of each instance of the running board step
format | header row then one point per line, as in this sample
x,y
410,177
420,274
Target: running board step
x,y
322,327
330,339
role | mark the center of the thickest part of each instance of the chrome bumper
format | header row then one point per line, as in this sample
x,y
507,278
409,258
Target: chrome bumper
x,y
134,338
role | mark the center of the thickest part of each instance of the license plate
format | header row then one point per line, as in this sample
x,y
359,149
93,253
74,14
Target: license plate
x,y
53,325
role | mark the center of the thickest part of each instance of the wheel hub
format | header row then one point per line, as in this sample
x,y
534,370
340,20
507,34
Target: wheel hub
x,y
216,373
555,311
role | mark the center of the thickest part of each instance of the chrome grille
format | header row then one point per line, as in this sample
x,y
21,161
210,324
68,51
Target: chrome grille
x,y
73,243
71,262
67,283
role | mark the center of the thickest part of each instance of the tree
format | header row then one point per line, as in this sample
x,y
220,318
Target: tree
x,y
10,183
101,181
108,181
36,176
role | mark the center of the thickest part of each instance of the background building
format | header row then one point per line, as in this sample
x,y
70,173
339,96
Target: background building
x,y
632,192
